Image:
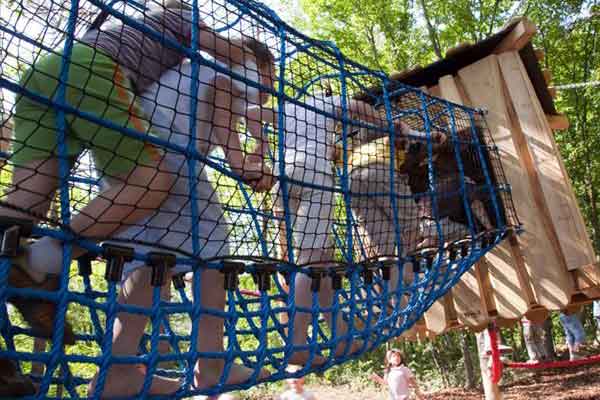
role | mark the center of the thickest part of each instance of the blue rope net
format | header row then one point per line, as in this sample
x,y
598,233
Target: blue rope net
x,y
383,198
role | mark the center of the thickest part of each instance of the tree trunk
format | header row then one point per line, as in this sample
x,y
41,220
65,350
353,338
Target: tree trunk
x,y
469,371
436,359
431,30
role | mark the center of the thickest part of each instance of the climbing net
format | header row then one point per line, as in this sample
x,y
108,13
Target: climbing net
x,y
119,175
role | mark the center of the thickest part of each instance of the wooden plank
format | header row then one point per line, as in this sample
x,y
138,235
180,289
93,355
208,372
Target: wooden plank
x,y
449,90
449,309
558,122
436,317
521,34
587,279
502,272
470,309
545,164
483,84
485,287
435,91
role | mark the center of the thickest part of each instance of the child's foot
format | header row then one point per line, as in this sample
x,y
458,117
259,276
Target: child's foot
x,y
126,380
39,314
13,384
208,373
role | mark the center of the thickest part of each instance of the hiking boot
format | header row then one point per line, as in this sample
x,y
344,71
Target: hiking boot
x,y
12,382
38,313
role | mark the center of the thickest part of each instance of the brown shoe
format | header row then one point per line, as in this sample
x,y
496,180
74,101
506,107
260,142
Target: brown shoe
x,y
38,313
12,382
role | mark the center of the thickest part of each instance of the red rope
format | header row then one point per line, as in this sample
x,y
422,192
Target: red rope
x,y
554,364
496,363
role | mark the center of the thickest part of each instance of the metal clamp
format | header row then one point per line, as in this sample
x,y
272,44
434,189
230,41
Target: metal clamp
x,y
262,275
315,275
13,229
178,281
231,271
116,257
160,263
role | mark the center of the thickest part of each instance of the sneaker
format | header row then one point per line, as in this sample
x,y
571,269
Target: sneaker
x,y
12,383
39,314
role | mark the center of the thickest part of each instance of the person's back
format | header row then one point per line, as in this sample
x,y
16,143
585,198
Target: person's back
x,y
310,135
134,48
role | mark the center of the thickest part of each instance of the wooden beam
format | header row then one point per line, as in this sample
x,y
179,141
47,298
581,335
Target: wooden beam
x,y
521,34
549,179
513,269
435,91
558,122
587,279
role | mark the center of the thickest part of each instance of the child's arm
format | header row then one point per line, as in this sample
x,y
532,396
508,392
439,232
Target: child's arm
x,y
221,48
359,110
255,117
224,131
378,379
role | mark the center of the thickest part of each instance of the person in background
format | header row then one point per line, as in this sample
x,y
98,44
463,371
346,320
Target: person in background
x,y
296,388
398,378
574,333
534,335
596,313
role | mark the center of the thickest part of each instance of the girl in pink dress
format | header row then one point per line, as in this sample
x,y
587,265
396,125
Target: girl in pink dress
x,y
398,378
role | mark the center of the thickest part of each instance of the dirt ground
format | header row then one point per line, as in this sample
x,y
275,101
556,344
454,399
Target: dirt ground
x,y
581,383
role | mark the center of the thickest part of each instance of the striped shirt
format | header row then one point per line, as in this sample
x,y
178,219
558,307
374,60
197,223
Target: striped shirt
x,y
145,58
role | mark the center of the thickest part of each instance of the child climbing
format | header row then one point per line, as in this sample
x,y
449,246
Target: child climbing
x,y
398,378
107,69
222,102
309,154
448,190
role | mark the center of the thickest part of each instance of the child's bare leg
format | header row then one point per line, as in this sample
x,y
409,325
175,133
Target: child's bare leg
x,y
326,294
211,333
302,320
128,200
126,380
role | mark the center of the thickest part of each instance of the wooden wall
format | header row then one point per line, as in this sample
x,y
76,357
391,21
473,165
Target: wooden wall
x,y
552,264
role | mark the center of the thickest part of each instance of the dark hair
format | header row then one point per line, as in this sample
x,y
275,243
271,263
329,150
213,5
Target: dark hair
x,y
264,57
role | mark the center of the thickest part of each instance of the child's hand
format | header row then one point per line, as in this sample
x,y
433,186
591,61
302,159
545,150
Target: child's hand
x,y
258,176
378,379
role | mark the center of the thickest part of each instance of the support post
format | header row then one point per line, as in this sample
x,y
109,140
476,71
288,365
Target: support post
x,y
490,389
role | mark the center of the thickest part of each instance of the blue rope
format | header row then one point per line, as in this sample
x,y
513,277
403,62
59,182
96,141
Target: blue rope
x,y
258,327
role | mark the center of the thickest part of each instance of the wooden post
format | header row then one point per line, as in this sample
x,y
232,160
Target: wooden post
x,y
491,391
